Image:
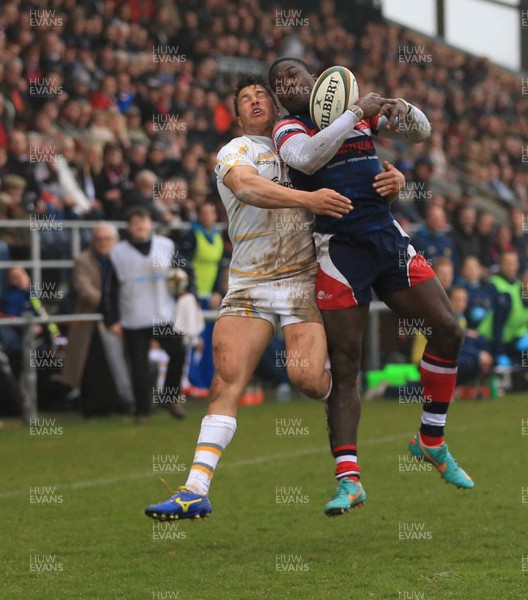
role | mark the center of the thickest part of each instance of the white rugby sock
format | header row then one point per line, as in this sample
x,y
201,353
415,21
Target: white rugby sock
x,y
215,434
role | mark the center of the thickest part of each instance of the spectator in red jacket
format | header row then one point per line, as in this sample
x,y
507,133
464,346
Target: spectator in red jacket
x,y
105,96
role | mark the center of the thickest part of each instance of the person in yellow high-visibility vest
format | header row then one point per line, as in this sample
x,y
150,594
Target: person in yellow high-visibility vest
x,y
203,247
506,324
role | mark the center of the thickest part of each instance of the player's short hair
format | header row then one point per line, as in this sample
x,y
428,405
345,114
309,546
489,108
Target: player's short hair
x,y
292,59
248,81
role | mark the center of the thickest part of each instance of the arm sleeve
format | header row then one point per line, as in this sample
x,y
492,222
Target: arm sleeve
x,y
415,128
234,154
308,153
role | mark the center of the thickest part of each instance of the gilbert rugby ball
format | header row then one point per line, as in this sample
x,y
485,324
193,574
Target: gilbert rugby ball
x,y
334,92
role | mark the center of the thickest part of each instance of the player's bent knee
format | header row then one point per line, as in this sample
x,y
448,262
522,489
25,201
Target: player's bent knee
x,y
448,335
450,331
308,384
299,378
457,337
345,364
228,390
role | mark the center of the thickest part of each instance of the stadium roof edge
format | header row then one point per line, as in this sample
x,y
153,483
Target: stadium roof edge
x,y
442,41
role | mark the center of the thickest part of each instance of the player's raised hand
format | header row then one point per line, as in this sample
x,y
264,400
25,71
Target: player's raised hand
x,y
328,202
372,104
396,109
390,182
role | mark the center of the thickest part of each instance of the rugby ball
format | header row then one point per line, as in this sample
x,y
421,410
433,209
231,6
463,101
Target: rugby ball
x,y
335,91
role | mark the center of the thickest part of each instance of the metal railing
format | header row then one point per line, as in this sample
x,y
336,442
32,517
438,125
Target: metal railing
x,y
28,374
36,264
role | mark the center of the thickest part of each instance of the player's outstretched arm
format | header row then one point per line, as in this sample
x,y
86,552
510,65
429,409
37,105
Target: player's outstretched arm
x,y
250,187
403,120
307,153
389,182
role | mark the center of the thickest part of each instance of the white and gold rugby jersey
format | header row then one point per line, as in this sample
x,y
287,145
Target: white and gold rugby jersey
x,y
267,243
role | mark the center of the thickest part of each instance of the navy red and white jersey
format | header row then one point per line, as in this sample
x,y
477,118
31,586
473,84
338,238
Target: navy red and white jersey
x,y
350,172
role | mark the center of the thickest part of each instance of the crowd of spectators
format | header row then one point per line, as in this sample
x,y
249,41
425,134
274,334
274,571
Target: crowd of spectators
x,y
112,104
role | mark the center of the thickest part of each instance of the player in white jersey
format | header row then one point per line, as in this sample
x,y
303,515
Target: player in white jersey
x,y
272,269
272,276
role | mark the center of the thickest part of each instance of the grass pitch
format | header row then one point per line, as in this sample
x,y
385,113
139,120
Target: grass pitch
x,y
73,524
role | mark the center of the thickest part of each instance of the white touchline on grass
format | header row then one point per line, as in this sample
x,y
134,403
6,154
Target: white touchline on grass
x,y
237,463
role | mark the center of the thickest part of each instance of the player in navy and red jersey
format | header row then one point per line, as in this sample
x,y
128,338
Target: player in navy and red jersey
x,y
366,249
351,169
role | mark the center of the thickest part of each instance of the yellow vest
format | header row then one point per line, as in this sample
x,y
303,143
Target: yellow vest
x,y
517,323
206,261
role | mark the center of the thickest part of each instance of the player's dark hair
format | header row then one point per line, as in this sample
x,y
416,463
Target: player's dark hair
x,y
248,81
282,59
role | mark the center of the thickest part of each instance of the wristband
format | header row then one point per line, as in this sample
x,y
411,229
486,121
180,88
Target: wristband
x,y
358,111
407,104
